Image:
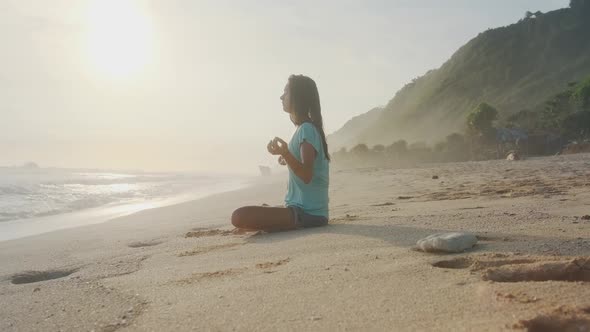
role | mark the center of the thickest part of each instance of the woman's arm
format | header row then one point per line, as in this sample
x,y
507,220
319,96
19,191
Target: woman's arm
x,y
304,168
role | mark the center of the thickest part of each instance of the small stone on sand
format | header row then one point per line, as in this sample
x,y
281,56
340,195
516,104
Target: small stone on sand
x,y
447,242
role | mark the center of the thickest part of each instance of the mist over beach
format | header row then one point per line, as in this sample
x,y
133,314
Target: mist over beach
x,y
311,166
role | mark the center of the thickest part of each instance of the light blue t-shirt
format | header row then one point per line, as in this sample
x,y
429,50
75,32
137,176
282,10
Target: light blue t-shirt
x,y
311,197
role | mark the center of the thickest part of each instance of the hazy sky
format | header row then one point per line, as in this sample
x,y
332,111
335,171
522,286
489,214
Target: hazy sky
x,y
195,85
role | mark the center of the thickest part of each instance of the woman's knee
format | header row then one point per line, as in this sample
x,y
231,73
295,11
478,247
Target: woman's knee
x,y
238,218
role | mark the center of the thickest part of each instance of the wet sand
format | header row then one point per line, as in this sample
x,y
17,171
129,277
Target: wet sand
x,y
181,268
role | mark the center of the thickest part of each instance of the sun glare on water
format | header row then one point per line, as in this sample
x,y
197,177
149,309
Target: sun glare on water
x,y
120,38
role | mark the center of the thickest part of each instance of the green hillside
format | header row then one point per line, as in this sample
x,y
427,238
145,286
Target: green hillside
x,y
353,128
512,68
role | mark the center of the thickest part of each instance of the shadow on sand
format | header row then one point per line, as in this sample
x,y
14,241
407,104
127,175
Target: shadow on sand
x,y
407,236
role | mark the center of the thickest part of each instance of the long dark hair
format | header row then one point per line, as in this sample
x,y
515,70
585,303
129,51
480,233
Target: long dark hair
x,y
305,105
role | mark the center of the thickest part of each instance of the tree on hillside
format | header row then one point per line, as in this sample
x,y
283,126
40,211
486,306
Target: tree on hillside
x,y
480,120
440,147
568,112
581,8
455,139
556,110
525,119
457,147
420,145
379,148
340,154
528,14
581,94
359,149
398,148
582,5
577,125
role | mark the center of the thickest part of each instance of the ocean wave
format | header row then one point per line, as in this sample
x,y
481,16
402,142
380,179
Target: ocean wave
x,y
35,194
15,190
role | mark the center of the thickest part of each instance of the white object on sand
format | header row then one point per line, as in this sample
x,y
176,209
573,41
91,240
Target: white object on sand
x,y
447,242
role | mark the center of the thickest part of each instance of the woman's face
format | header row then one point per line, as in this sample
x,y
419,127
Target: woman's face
x,y
286,99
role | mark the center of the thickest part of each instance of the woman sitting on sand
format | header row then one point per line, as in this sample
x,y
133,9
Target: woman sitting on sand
x,y
307,158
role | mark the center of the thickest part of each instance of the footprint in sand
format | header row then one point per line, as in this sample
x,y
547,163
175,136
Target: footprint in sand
x,y
575,269
198,251
207,232
269,265
506,269
126,318
200,232
342,219
141,244
562,318
118,266
29,277
384,204
520,297
197,277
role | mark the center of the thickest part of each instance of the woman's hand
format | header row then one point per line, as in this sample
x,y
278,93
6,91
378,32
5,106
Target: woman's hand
x,y
277,147
270,148
304,168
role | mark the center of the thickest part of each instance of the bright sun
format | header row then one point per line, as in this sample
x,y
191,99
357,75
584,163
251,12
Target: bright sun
x,y
120,37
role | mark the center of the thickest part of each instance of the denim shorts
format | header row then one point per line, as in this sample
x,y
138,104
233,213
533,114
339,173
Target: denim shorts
x,y
304,220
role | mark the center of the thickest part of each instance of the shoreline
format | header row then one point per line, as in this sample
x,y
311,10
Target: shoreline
x,y
21,228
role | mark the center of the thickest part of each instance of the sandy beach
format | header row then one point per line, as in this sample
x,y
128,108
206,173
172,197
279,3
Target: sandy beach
x,y
180,268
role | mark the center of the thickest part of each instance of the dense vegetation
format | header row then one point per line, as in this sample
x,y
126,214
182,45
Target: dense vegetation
x,y
562,118
515,69
567,114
